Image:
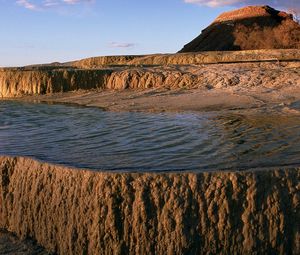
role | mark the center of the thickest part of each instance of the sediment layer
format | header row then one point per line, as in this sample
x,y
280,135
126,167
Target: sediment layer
x,y
198,58
72,211
218,57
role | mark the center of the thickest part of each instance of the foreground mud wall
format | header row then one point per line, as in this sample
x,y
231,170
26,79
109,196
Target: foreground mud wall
x,y
81,212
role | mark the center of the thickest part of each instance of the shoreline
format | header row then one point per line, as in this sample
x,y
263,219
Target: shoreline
x,y
178,101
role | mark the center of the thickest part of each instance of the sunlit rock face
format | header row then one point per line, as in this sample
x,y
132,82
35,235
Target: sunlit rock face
x,y
71,211
249,28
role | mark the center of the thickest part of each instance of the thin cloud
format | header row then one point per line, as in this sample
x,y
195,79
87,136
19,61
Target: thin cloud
x,y
74,1
28,5
121,45
36,5
287,4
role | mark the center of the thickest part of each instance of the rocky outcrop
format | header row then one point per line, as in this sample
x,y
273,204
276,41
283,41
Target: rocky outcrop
x,y
249,28
73,211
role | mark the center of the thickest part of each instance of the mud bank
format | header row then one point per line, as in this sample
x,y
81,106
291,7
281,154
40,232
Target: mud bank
x,y
81,212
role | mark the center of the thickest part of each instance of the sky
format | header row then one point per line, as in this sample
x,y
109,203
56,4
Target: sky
x,y
45,31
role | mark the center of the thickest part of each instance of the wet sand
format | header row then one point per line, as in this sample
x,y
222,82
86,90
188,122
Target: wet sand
x,y
74,211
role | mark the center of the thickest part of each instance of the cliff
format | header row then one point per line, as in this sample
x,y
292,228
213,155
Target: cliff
x,y
72,211
248,28
25,82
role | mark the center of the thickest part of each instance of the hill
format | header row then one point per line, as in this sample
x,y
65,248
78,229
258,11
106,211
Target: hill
x,y
248,28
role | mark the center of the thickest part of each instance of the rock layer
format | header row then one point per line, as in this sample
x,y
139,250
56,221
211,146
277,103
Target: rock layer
x,y
96,62
196,58
73,211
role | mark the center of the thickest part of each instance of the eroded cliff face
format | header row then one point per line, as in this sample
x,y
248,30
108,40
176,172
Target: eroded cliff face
x,y
19,82
81,212
142,78
15,82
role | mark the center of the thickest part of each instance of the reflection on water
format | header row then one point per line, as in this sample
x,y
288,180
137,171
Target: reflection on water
x,y
91,138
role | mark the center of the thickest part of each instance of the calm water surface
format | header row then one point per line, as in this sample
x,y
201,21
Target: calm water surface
x,y
95,139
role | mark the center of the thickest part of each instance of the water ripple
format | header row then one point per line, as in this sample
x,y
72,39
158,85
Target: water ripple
x,y
91,138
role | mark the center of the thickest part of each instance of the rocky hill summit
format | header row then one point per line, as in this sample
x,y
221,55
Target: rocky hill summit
x,y
248,28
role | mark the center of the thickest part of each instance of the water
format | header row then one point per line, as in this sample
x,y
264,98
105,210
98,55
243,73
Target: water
x,y
95,139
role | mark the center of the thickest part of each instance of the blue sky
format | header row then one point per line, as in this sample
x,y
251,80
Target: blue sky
x,y
41,31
